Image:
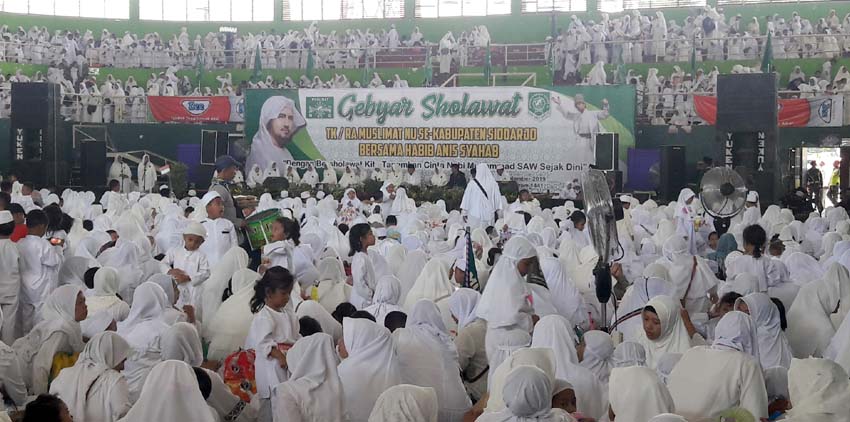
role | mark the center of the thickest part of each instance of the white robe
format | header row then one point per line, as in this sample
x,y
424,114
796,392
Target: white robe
x,y
270,328
142,330
313,392
171,394
637,394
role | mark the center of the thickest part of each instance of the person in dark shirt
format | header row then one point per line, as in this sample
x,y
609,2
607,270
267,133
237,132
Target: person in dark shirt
x,y
456,179
814,183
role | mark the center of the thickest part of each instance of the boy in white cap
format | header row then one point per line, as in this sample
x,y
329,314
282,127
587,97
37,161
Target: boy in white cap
x,y
40,262
189,266
221,235
10,279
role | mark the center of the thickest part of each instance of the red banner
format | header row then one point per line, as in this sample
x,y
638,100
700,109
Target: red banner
x,y
190,109
793,112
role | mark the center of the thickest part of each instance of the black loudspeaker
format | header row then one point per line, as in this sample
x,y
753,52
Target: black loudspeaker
x,y
607,151
746,102
673,172
38,136
615,180
214,144
276,184
93,162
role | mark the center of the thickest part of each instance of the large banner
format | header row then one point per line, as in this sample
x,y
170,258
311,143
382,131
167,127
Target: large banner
x,y
543,137
191,109
793,112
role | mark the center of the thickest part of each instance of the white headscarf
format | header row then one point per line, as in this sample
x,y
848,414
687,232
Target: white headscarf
x,y
149,301
839,348
539,357
681,266
181,342
736,331
370,368
528,397
774,349
170,394
263,147
314,310
230,324
802,267
809,326
565,296
674,336
221,274
462,304
637,394
598,352
74,269
433,284
101,354
313,384
819,391
505,298
57,316
406,403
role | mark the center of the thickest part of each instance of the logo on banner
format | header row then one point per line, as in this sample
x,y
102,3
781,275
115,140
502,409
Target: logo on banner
x,y
196,107
320,107
825,110
538,105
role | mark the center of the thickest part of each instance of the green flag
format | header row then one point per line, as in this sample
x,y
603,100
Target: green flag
x,y
427,68
258,65
310,65
550,61
767,60
488,65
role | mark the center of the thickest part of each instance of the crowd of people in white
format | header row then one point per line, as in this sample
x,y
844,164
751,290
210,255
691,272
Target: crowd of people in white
x,y
707,35
170,324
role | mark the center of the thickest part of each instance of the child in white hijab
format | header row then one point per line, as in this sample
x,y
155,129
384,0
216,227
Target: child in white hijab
x,y
171,393
313,392
406,403
528,396
819,391
637,394
94,389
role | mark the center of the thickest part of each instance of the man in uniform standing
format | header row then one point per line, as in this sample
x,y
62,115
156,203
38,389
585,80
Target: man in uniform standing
x,y
814,183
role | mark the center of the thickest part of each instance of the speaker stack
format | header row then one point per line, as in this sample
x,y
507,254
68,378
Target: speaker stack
x,y
747,132
38,144
608,159
673,172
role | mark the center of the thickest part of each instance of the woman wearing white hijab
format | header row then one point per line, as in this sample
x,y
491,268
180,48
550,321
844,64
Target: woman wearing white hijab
x,y
433,284
711,379
279,122
104,296
171,394
255,177
637,394
839,347
142,330
314,310
482,198
685,217
428,358
406,403
181,342
810,328
565,296
386,298
93,389
12,378
271,171
819,391
505,304
663,330
313,392
774,349
333,289
838,278
147,174
170,315
691,276
555,332
58,332
633,302
470,341
370,367
527,394
310,177
230,324
221,274
595,353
